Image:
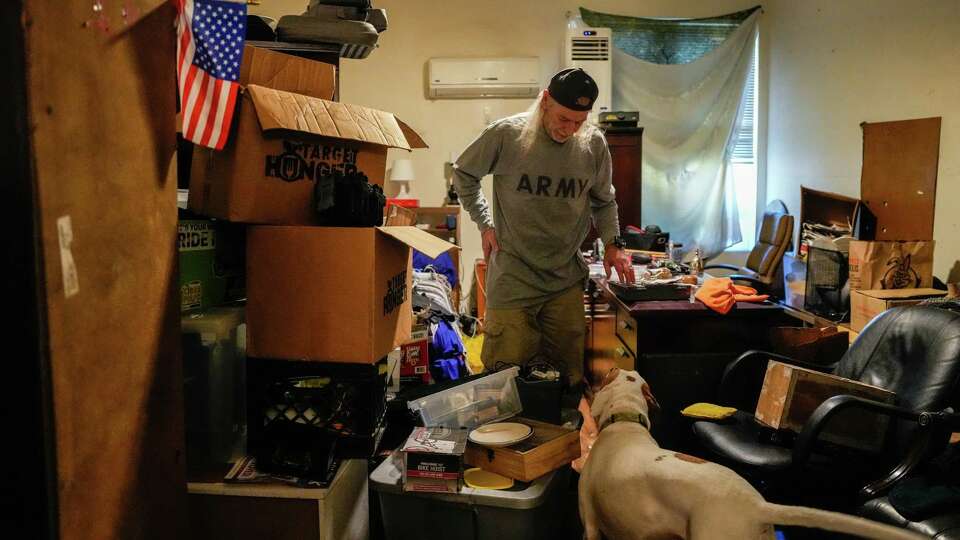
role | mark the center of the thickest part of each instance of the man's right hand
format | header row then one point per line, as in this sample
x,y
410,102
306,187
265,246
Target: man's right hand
x,y
489,241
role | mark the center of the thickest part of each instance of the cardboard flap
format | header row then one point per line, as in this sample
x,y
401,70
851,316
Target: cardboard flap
x,y
414,138
422,241
287,72
277,109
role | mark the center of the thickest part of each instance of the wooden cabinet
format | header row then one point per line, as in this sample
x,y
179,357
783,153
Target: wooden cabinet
x,y
626,153
440,221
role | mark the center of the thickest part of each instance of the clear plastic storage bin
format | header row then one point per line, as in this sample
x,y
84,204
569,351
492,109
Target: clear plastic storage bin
x,y
487,399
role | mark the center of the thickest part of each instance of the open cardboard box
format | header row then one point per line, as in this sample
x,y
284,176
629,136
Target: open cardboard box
x,y
865,304
331,294
283,142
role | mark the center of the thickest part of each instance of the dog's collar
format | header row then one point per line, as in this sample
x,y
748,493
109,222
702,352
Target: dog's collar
x,y
626,417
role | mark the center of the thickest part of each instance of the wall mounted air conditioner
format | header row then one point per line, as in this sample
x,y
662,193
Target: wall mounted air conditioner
x,y
592,50
484,77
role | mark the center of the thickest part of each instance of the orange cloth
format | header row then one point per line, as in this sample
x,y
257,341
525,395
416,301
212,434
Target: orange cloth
x,y
720,294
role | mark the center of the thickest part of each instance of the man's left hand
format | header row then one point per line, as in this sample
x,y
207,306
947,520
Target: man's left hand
x,y
614,257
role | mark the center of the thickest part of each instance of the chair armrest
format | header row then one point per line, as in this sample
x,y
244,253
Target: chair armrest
x,y
722,265
736,370
756,283
930,422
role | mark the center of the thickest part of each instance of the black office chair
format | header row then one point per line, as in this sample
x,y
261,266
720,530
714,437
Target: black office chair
x,y
927,501
912,351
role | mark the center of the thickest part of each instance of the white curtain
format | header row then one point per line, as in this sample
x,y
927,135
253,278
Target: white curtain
x,y
690,114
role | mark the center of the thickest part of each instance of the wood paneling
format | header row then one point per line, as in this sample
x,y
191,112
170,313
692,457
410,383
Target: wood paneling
x,y
899,178
101,103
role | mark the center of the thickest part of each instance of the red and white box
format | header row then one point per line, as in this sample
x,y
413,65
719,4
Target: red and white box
x,y
415,357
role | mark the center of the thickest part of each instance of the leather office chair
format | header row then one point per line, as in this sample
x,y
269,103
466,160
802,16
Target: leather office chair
x,y
911,351
764,267
925,502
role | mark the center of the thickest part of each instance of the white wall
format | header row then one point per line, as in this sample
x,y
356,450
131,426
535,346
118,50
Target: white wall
x,y
833,65
825,66
393,77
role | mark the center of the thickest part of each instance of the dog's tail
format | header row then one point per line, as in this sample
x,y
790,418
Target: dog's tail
x,y
834,521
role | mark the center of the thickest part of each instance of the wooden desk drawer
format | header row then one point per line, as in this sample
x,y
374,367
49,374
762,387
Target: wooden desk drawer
x,y
624,357
626,330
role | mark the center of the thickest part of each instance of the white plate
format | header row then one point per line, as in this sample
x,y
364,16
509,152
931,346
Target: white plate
x,y
500,434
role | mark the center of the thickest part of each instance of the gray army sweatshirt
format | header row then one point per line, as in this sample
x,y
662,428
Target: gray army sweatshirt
x,y
542,203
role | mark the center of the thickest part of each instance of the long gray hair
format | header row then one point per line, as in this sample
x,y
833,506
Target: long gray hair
x,y
534,127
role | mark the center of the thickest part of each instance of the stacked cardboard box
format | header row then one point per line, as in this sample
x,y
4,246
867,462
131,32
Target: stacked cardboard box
x,y
315,294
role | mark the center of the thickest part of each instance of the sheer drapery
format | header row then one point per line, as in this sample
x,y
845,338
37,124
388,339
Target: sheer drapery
x,y
690,113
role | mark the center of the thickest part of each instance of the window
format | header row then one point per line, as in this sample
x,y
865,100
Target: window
x,y
743,163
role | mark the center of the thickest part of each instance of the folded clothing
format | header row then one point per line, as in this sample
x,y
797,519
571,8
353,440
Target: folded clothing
x,y
720,294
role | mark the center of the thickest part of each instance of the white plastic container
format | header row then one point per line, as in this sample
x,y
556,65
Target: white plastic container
x,y
480,401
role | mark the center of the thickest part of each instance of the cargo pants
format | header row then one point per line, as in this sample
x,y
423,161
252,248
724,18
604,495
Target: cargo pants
x,y
553,330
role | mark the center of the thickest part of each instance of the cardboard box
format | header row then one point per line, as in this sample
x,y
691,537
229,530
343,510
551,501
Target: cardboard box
x,y
867,304
433,460
549,448
282,144
211,263
331,294
415,359
288,73
790,394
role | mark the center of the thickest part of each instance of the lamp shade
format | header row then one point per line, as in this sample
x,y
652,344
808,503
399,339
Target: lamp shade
x,y
402,171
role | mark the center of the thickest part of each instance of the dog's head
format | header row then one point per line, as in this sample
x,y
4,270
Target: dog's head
x,y
621,391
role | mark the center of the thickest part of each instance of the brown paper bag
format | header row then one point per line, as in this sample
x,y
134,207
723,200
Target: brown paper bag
x,y
891,265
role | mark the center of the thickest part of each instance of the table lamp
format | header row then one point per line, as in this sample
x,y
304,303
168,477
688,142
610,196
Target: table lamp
x,y
402,172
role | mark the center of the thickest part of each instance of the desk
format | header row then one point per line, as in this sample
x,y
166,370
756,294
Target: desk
x,y
681,350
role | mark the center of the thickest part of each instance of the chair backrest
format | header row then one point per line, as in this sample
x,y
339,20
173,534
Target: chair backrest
x,y
912,351
776,231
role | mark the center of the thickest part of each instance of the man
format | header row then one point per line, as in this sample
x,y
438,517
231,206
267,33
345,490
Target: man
x,y
551,173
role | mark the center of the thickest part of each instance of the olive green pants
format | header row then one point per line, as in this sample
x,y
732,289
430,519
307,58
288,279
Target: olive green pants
x,y
553,331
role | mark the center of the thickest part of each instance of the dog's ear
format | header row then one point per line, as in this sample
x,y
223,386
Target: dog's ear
x,y
608,378
652,402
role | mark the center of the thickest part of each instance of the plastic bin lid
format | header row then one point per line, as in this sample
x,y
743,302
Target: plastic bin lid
x,y
217,322
386,478
506,374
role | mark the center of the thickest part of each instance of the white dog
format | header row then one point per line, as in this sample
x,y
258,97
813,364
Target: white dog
x,y
633,489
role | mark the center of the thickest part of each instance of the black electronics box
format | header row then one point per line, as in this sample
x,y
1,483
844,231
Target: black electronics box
x,y
646,241
619,119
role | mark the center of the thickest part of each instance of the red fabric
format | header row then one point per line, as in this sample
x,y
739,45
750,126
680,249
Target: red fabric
x,y
720,294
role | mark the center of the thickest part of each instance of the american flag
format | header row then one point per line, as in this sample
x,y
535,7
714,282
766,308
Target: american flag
x,y
210,37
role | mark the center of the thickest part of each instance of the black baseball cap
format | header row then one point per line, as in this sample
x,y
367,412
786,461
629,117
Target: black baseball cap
x,y
573,89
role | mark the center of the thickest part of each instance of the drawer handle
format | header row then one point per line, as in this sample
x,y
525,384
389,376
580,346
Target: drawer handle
x,y
623,352
624,325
